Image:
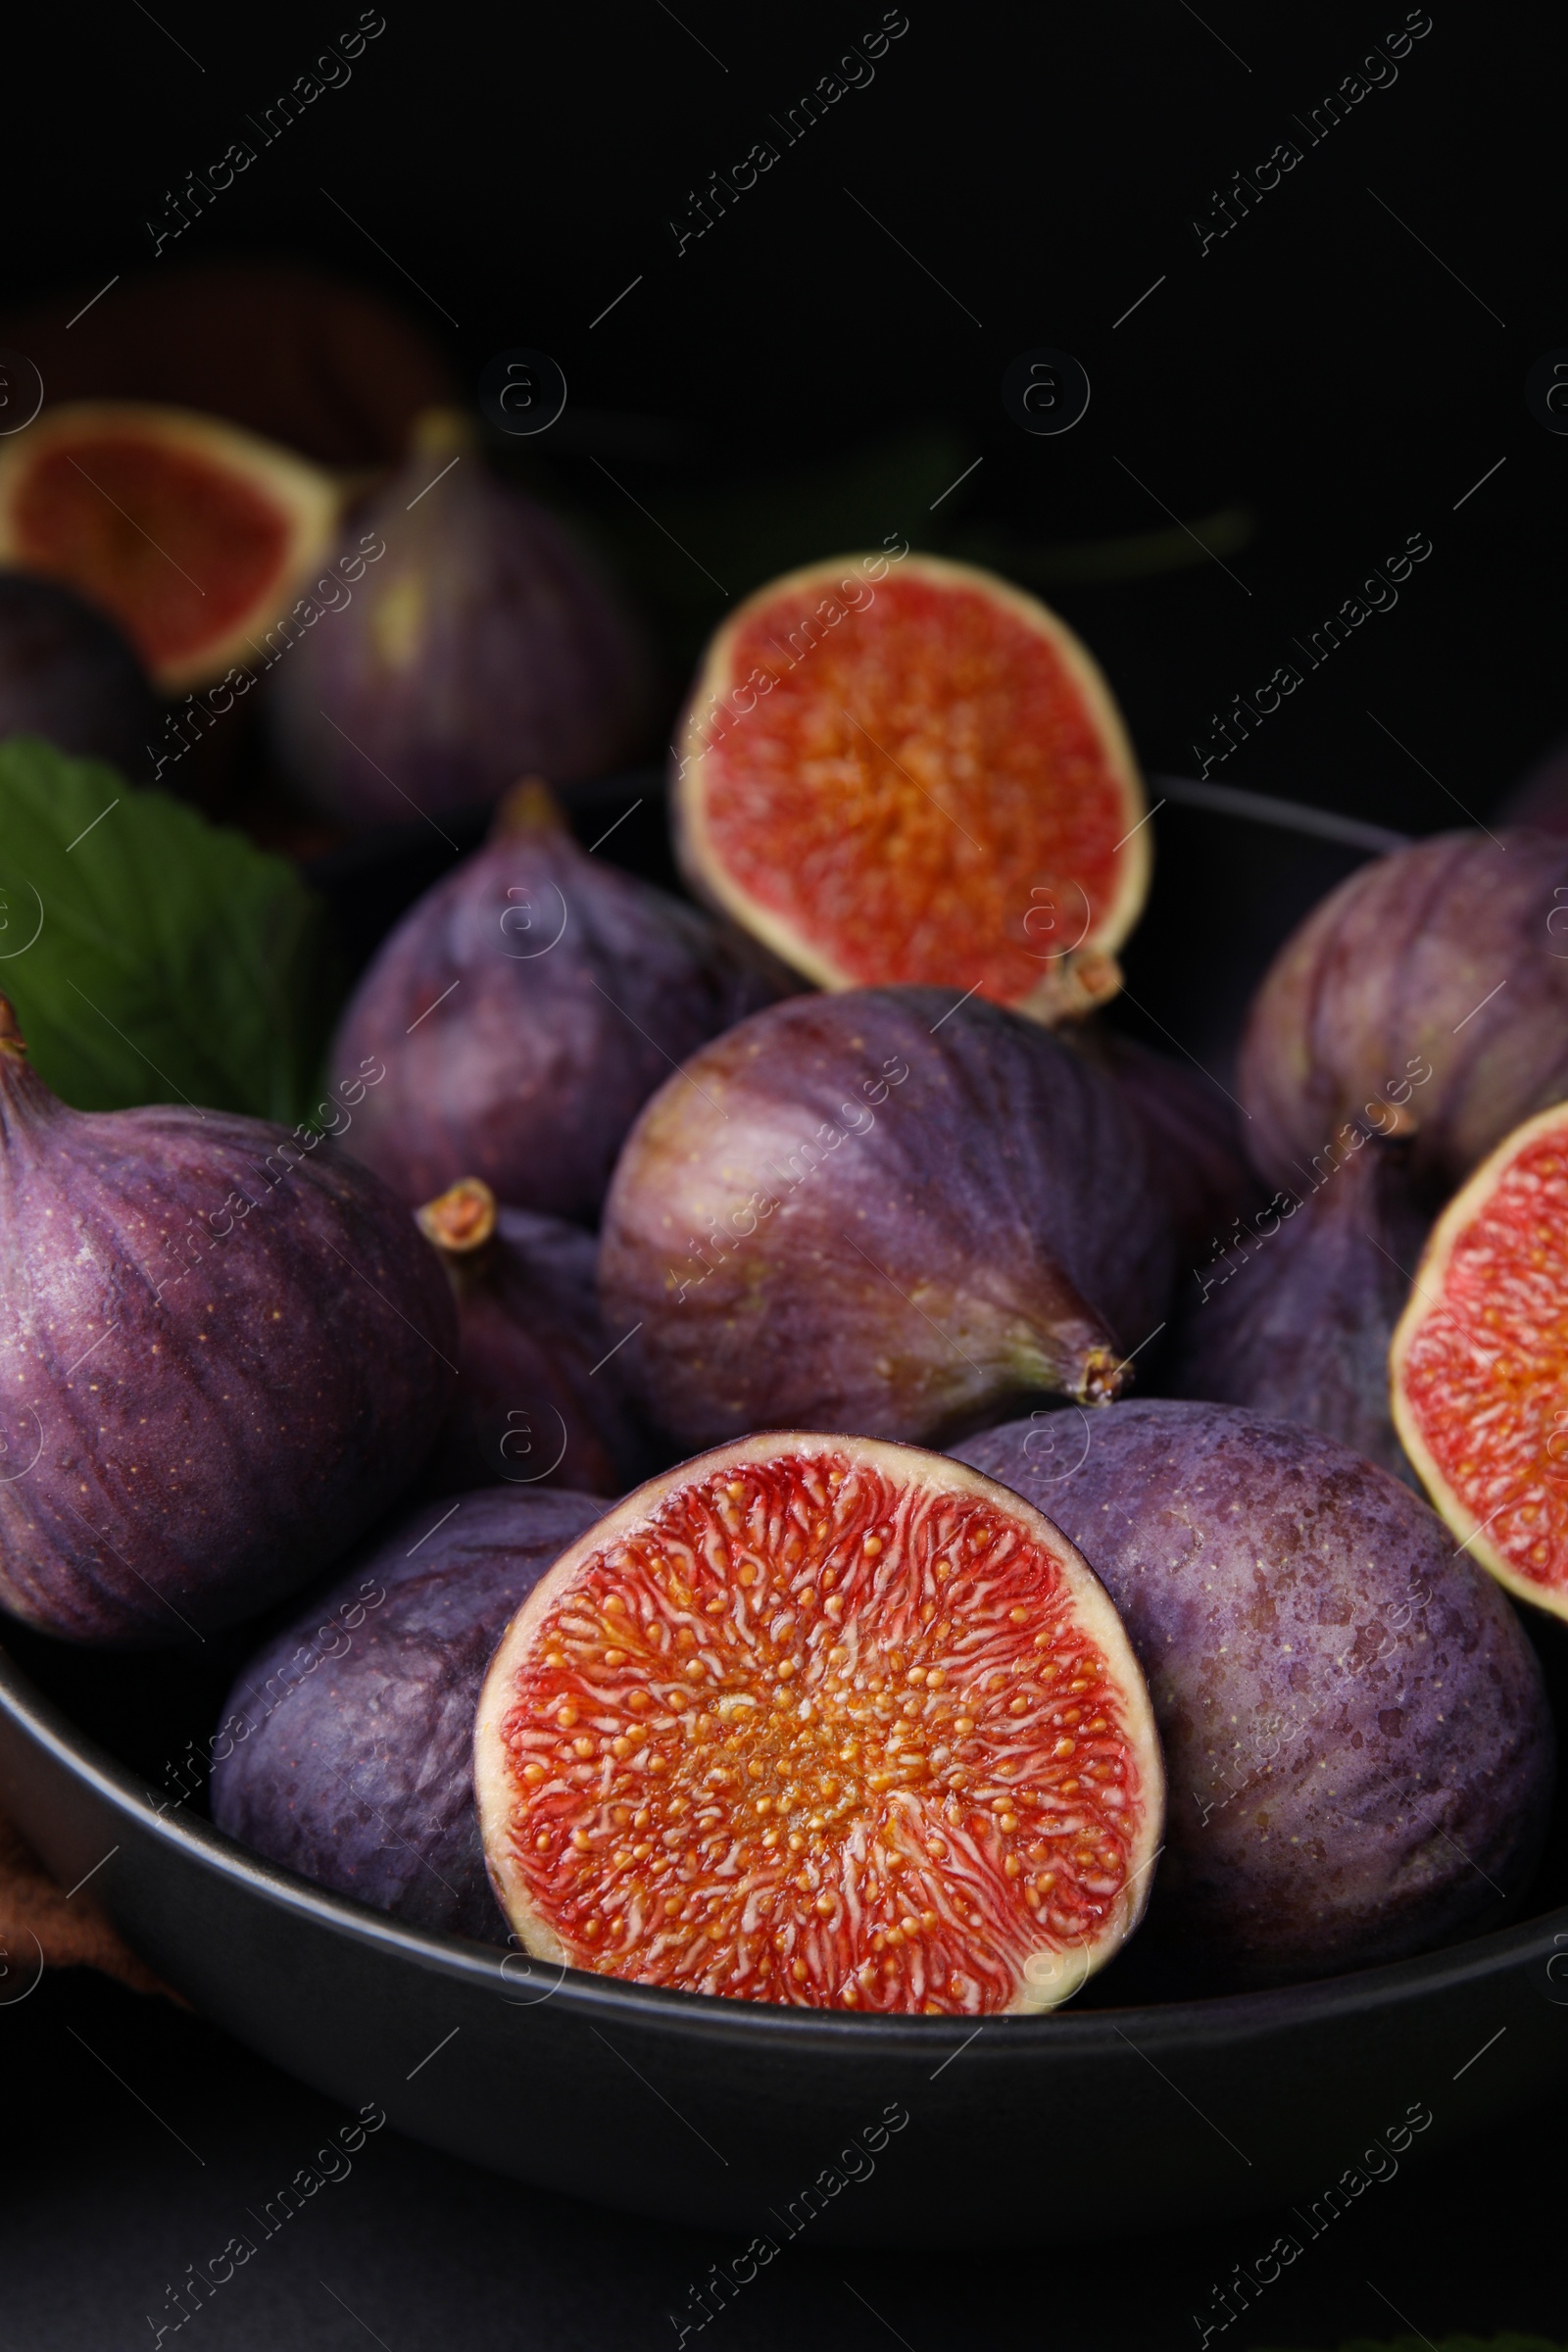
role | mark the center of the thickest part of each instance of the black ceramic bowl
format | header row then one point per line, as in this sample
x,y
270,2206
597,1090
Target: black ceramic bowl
x,y
1116,2115
765,2122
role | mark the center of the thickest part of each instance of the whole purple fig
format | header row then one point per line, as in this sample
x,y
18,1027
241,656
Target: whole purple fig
x,y
525,1008
1292,1313
1425,1002
345,1749
1426,997
537,1403
480,645
66,674
1359,1753
890,1211
223,1350
1192,1130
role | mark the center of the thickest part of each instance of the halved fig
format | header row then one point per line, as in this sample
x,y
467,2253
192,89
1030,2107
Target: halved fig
x,y
826,1722
1479,1365
190,533
915,775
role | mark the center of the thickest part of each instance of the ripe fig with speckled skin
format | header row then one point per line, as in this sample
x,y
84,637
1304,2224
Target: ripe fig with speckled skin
x,y
525,1008
1357,1742
345,1749
887,1211
223,1350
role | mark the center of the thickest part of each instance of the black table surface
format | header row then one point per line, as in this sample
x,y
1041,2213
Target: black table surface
x,y
139,2141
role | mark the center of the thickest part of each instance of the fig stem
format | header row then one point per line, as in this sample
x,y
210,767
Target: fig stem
x,y
1104,1376
459,1220
12,1039
530,806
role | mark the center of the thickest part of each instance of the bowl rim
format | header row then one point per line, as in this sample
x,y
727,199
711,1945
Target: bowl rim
x,y
1067,2032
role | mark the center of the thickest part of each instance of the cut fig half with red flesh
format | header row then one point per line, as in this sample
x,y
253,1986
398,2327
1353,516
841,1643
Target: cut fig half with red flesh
x,y
1479,1365
908,771
826,1722
192,535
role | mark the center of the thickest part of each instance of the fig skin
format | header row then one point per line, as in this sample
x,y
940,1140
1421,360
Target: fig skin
x,y
526,1008
982,1227
1390,974
1355,1727
345,1749
536,1402
1295,1321
197,1412
1194,1134
66,674
484,644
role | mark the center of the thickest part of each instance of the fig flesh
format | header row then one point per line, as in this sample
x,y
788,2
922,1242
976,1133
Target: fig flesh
x,y
1294,1316
890,1211
537,1403
186,1432
915,775
191,534
66,674
1357,1735
525,1008
484,645
1480,1363
345,1749
788,1724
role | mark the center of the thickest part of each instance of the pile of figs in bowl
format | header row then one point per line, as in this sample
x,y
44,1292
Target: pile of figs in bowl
x,y
795,1585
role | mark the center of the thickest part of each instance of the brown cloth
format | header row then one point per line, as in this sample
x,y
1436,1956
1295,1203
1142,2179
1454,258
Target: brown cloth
x,y
35,1917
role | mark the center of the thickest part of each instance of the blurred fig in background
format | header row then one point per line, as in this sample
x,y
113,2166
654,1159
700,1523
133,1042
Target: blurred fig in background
x,y
322,365
66,674
486,644
191,533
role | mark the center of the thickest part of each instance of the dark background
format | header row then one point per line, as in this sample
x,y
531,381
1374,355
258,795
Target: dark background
x,y
1320,380
1314,388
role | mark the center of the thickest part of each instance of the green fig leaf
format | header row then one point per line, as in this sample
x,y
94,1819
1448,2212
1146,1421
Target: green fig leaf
x,y
152,956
